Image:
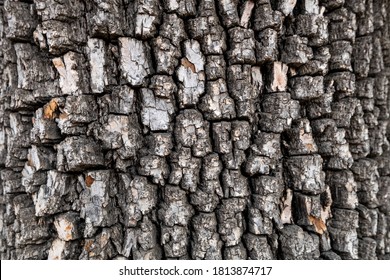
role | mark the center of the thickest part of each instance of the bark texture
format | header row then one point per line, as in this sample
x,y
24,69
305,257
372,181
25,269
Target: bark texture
x,y
194,129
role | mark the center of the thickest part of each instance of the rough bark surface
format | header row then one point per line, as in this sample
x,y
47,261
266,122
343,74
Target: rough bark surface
x,y
183,129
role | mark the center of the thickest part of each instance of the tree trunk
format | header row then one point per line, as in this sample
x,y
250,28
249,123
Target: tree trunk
x,y
195,129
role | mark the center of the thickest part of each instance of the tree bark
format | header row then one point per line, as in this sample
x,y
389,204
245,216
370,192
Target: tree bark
x,y
194,129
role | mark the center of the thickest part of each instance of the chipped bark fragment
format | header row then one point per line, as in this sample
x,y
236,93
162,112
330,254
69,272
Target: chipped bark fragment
x,y
205,226
313,6
67,226
341,55
185,170
342,231
50,110
53,197
140,199
318,223
160,144
98,207
191,75
72,72
44,130
306,87
362,53
106,19
62,250
181,7
237,252
343,188
305,174
286,6
102,246
342,25
155,167
207,29
147,18
266,17
266,47
228,12
242,46
217,104
19,29
296,51
299,138
175,209
120,101
245,85
64,36
103,70
121,133
234,184
166,55
156,112
258,247
173,22
142,242
298,244
307,212
192,131
75,113
247,13
87,155
278,112
89,181
278,77
135,61
231,220
39,71
96,61
286,214
187,64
